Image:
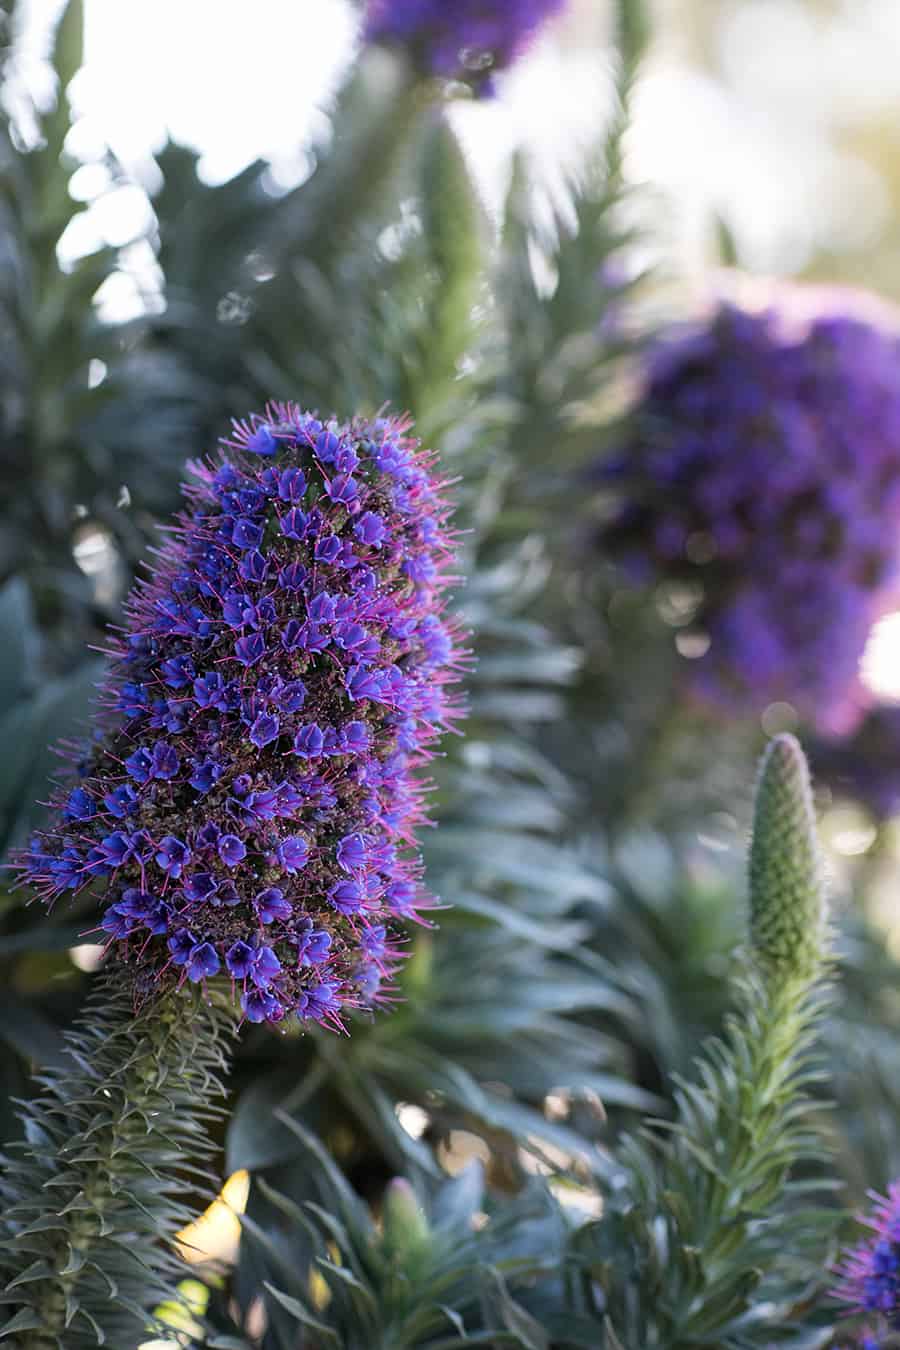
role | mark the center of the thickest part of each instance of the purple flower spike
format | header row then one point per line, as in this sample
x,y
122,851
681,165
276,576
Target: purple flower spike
x,y
282,678
460,39
869,1274
757,490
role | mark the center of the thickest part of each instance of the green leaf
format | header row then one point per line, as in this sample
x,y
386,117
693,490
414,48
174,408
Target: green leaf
x,y
296,1309
18,641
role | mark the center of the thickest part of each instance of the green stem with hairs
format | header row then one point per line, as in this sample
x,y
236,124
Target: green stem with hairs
x,y
116,1139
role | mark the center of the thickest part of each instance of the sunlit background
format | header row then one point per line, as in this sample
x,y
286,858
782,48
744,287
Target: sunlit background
x,y
752,116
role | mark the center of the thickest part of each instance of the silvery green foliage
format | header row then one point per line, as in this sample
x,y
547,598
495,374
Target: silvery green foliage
x,y
441,1266
114,1161
706,1243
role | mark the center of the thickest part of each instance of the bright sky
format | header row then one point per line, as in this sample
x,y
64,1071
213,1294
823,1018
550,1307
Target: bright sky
x,y
236,90
755,134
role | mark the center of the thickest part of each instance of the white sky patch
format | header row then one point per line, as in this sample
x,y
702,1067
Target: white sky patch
x,y
880,666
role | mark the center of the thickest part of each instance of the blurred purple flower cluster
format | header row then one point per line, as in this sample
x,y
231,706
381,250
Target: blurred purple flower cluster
x,y
250,803
460,39
761,469
866,764
869,1275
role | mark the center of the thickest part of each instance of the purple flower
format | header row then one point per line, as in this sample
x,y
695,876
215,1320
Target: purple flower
x,y
292,486
253,566
293,577
264,967
866,764
869,1274
116,848
313,947
199,886
370,529
261,1005
210,691
239,959
351,852
261,442
319,1001
249,650
261,629
308,741
271,904
173,855
290,697
232,850
347,897
265,728
246,534
294,524
205,775
203,962
465,39
180,945
293,853
79,805
355,739
178,671
327,549
139,765
342,489
227,894
757,490
120,800
361,683
164,761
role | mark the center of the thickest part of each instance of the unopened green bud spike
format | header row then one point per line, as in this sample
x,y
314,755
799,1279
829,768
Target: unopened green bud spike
x,y
787,891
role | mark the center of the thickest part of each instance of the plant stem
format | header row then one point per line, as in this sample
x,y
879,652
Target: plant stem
x,y
93,1196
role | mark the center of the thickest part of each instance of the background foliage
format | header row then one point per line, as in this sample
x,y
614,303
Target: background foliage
x,y
590,840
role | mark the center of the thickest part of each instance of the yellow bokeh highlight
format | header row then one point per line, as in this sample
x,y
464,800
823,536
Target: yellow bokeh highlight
x,y
215,1235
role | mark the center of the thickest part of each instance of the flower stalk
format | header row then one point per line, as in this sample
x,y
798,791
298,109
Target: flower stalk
x,y
115,1143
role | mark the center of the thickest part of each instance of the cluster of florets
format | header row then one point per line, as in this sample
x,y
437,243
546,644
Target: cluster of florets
x,y
250,804
466,40
761,476
870,1273
866,764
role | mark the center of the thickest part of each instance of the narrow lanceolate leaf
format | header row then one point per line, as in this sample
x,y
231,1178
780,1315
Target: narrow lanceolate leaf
x,y
115,1143
787,905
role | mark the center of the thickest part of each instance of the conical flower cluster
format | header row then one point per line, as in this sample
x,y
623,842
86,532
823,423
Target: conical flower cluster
x,y
787,890
465,39
760,476
250,804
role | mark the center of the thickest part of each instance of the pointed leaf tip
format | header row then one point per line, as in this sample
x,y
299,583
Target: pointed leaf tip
x,y
787,905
